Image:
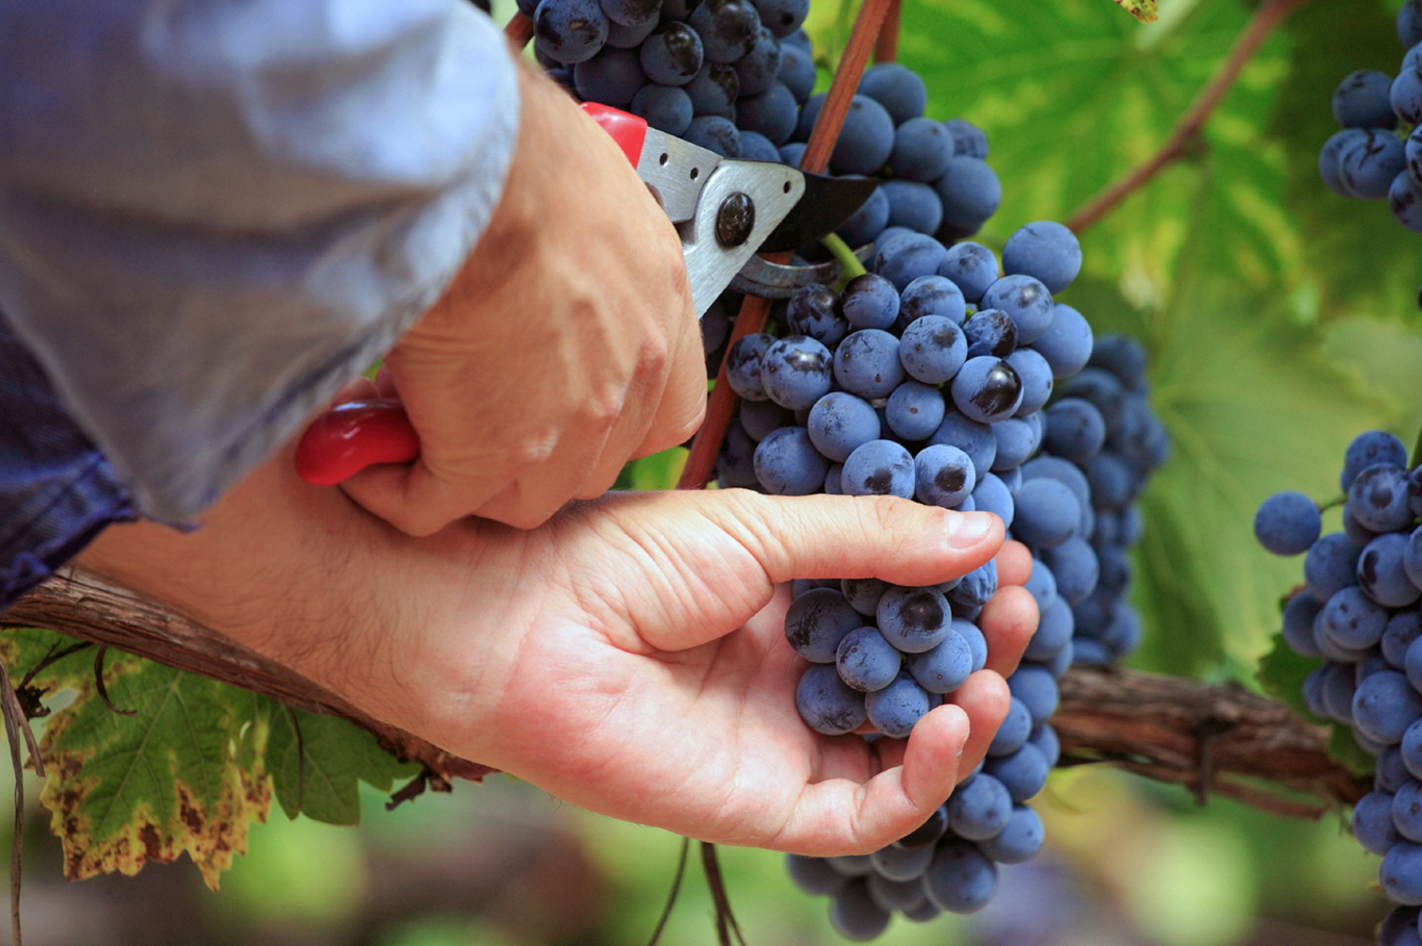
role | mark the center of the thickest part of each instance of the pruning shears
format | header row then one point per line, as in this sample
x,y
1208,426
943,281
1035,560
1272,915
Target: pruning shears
x,y
725,211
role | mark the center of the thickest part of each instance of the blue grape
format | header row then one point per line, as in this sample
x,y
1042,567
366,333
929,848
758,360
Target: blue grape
x,y
992,495
851,865
715,133
1036,688
569,31
990,332
1409,33
796,372
894,709
673,54
1112,480
979,808
970,192
878,468
814,875
863,594
817,621
728,28
827,704
976,588
932,295
866,661
865,140
1378,499
1367,449
922,148
1407,811
839,423
783,18
1025,300
1352,621
1372,823
1044,250
612,77
758,68
629,37
870,301
1067,341
960,879
904,896
868,221
1019,841
1331,565
1330,154
944,667
1055,627
1405,200
1402,629
1405,95
1059,469
1287,523
665,108
1361,100
1076,430
1399,928
809,113
757,147
968,139
1075,566
929,832
1382,572
932,349
761,417
943,475
1036,376
787,464
714,89
912,205
915,410
1391,773
1384,705
897,88
901,863
743,366
908,256
915,620
772,113
855,916
986,389
1401,874
797,72
867,363
1368,165
973,268
1015,729
812,311
1044,737
1017,439
1047,513
1023,774
975,439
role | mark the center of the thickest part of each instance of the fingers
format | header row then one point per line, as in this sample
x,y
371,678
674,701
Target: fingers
x,y
896,540
1014,564
985,699
1008,621
842,815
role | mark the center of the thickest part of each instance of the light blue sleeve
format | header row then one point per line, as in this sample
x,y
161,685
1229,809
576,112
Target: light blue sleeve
x,y
215,212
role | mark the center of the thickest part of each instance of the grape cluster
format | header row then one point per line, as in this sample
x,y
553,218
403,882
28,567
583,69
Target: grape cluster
x,y
1367,159
1359,613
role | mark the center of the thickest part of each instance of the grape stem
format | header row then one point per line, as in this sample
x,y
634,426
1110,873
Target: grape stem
x,y
1259,752
849,265
1416,452
1187,129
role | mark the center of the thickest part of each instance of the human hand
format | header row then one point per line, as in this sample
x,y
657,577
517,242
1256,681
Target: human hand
x,y
566,346
628,656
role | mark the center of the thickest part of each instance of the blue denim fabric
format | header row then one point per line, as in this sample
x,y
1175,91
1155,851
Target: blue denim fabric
x,y
213,213
56,489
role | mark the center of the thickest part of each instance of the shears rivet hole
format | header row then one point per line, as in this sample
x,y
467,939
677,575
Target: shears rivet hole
x,y
664,159
787,187
695,173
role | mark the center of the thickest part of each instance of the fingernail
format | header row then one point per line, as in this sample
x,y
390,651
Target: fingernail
x,y
967,529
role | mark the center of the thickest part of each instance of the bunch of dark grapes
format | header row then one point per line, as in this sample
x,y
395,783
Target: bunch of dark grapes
x,y
1358,613
1368,159
931,379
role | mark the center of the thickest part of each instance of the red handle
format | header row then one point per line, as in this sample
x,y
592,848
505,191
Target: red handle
x,y
347,439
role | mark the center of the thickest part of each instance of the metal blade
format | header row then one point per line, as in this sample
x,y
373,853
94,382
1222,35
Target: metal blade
x,y
827,203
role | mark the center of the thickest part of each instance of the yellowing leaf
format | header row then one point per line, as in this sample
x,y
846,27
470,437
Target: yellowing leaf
x,y
183,774
1143,10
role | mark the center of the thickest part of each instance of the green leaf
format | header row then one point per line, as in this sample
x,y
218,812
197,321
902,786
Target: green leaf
x,y
321,780
1282,673
182,774
1143,10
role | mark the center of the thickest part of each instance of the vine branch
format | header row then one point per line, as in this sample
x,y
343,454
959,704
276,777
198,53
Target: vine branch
x,y
1258,751
1187,129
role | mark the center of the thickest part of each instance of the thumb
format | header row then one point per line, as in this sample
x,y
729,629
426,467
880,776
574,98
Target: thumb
x,y
723,551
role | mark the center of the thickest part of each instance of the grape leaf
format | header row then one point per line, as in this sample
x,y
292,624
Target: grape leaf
x,y
1281,675
182,774
1143,10
337,755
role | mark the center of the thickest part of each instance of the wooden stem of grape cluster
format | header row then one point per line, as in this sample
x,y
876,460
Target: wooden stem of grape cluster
x,y
1187,129
1164,728
519,30
81,604
701,464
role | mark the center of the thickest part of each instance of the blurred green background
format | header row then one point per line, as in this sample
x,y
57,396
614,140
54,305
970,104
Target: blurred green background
x,y
1281,321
